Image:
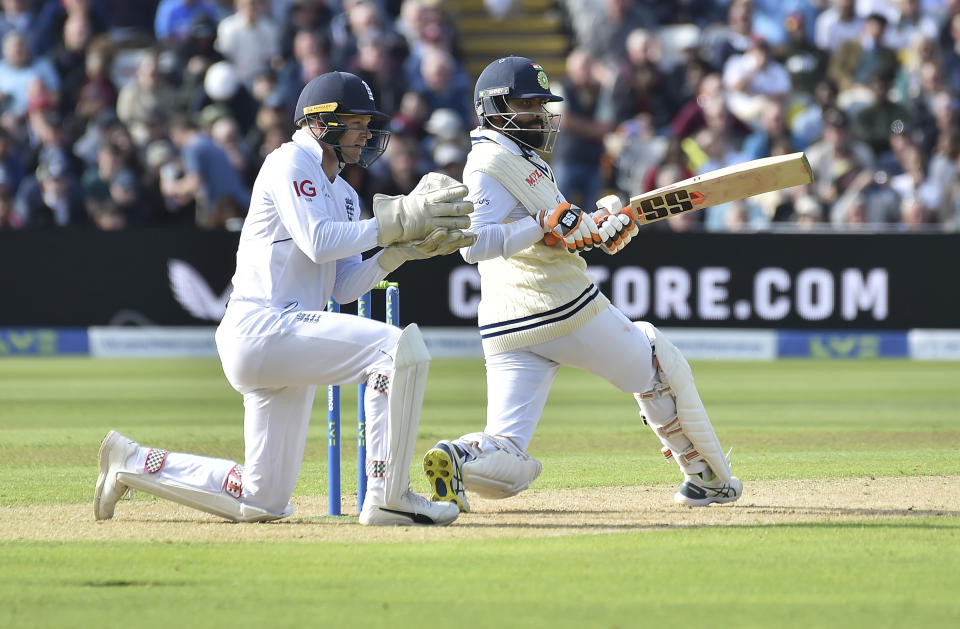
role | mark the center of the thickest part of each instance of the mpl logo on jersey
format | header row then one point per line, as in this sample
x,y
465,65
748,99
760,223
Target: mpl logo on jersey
x,y
534,178
304,188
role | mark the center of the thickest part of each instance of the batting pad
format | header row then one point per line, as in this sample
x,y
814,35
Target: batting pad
x,y
217,503
693,416
405,401
499,469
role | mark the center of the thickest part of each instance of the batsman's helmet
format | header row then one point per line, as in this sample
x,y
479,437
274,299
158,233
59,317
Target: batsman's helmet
x,y
330,96
516,77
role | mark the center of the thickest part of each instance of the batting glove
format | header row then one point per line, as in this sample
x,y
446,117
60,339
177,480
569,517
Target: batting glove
x,y
616,226
568,223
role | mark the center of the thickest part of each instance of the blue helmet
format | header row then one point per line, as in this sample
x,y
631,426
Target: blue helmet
x,y
327,97
516,77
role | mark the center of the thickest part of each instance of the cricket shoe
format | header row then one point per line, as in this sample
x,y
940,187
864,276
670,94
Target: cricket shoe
x,y
411,509
700,490
115,449
444,470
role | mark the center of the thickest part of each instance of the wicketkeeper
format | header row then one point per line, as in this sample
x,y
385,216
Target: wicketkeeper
x,y
301,244
539,310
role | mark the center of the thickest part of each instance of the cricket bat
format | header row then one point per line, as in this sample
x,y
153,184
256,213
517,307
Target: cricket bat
x,y
723,185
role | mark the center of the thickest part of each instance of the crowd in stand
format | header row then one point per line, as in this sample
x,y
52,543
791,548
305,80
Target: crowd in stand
x,y
121,113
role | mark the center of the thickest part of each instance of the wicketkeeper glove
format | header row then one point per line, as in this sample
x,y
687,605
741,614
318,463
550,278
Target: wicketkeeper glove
x,y
437,201
570,224
439,242
617,228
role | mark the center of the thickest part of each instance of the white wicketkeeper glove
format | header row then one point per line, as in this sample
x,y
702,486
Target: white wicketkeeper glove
x,y
439,242
570,224
437,201
616,228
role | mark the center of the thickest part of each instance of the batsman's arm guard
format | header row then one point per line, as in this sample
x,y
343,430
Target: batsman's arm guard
x,y
694,422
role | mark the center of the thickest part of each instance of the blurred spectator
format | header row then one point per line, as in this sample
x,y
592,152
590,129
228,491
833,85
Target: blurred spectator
x,y
434,32
361,19
835,155
8,218
226,134
673,157
915,216
909,25
309,59
53,17
303,15
872,124
721,41
194,54
249,39
96,179
641,86
753,79
913,183
772,129
223,89
837,24
48,141
145,98
807,213
859,60
576,158
175,18
11,164
806,126
803,60
161,162
601,27
951,58
692,115
376,63
411,118
401,172
21,17
52,199
867,201
450,158
444,84
208,178
18,70
921,67
69,56
634,150
273,113
445,127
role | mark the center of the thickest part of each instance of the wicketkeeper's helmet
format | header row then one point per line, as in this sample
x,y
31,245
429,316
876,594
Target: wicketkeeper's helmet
x,y
329,96
516,77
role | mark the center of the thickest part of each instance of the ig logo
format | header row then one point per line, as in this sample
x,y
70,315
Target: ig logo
x,y
304,188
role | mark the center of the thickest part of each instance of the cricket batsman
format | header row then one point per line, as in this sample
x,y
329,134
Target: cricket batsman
x,y
301,243
539,310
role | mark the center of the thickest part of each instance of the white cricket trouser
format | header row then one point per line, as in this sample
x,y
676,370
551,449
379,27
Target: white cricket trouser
x,y
609,345
277,360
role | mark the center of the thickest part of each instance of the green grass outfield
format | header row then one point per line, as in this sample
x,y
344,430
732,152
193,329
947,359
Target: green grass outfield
x,y
788,421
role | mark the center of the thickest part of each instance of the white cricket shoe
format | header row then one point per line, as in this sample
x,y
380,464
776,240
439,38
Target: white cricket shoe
x,y
409,510
700,490
444,470
115,449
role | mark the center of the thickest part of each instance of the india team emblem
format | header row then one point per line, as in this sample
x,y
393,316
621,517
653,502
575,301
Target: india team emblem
x,y
542,80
